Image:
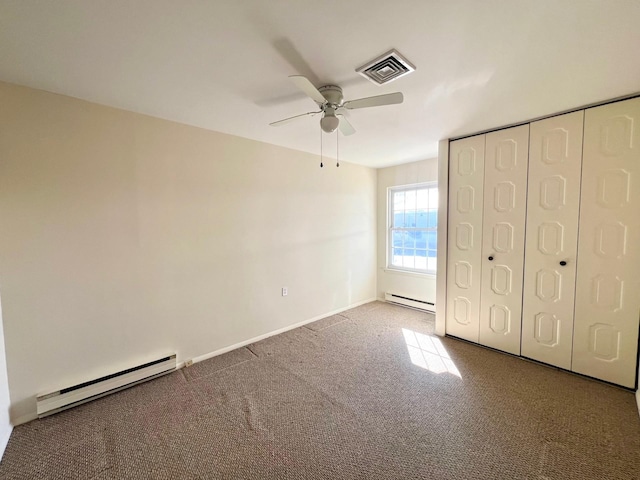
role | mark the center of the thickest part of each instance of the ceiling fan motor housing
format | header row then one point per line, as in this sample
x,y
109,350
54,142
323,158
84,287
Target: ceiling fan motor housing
x,y
333,94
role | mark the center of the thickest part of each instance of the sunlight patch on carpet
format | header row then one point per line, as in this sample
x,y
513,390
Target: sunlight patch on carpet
x,y
428,352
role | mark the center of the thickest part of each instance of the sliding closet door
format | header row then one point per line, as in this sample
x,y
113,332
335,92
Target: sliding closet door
x,y
466,182
555,160
505,203
608,280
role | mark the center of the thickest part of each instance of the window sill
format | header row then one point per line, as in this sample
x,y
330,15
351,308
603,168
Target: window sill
x,y
409,274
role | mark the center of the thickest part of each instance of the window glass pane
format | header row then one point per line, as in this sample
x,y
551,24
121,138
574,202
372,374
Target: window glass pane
x,y
398,219
422,218
433,198
432,221
432,240
410,200
397,239
398,201
423,199
409,241
408,258
410,218
414,210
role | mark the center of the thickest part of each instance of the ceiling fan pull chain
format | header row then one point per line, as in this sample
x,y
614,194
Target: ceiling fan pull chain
x,y
337,149
321,148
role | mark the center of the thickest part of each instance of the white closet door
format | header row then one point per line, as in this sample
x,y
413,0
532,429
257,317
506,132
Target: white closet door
x,y
505,199
466,181
555,160
608,280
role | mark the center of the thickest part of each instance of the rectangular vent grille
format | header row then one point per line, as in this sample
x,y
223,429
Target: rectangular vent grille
x,y
386,68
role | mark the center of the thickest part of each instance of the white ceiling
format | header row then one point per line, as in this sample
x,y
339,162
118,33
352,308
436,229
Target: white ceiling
x,y
223,65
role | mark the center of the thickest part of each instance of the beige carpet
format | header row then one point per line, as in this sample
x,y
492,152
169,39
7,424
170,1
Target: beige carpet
x,y
350,396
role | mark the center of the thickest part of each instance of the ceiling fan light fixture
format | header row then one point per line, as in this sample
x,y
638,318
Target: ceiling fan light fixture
x,y
329,123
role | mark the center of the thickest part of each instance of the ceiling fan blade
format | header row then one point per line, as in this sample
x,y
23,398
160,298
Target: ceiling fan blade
x,y
345,127
307,87
290,119
389,99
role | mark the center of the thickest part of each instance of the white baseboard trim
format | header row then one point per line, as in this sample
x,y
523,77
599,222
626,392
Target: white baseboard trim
x,y
244,343
4,440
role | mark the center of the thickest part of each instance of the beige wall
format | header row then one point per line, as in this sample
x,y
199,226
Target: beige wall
x,y
125,237
421,287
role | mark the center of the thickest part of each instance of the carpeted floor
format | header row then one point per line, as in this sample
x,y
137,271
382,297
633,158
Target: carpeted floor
x,y
365,394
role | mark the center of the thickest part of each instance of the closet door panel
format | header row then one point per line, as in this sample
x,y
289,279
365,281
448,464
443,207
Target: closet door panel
x,y
608,278
466,177
555,160
505,199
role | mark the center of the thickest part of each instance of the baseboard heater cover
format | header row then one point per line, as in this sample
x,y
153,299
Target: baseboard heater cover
x,y
59,400
410,302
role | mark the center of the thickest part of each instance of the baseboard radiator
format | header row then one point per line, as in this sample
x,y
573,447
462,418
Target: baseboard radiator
x,y
54,402
410,302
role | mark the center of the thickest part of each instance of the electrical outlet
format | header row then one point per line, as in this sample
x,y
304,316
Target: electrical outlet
x,y
188,363
285,291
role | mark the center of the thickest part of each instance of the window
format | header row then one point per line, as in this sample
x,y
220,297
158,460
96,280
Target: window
x,y
413,223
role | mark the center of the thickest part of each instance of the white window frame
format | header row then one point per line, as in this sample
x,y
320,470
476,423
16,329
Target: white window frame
x,y
391,229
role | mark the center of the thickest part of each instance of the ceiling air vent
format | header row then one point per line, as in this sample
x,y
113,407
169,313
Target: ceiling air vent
x,y
386,68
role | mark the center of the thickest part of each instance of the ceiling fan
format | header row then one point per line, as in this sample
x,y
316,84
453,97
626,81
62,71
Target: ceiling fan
x,y
332,105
